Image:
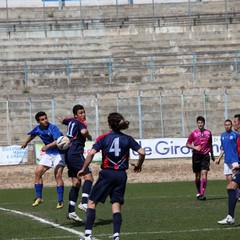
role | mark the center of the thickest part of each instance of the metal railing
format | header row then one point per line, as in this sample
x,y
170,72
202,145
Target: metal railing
x,y
33,25
109,68
192,14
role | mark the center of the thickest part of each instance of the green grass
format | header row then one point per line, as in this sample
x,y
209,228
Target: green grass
x,y
154,211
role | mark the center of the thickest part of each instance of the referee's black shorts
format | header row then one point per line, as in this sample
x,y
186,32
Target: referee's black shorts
x,y
200,162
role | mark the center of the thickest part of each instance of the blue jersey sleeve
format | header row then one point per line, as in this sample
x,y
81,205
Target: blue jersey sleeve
x,y
34,132
55,131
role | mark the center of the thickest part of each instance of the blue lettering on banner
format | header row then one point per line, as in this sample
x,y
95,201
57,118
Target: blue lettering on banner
x,y
169,148
174,150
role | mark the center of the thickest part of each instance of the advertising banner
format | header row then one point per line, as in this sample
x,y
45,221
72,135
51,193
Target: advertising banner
x,y
88,145
170,148
13,155
158,148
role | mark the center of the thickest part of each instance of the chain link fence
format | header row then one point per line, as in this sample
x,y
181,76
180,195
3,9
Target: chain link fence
x,y
150,117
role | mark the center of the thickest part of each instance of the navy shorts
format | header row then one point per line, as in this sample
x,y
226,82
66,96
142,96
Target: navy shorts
x,y
110,183
75,164
200,162
236,178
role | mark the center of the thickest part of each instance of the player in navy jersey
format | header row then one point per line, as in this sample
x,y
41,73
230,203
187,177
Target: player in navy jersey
x,y
77,133
53,157
115,147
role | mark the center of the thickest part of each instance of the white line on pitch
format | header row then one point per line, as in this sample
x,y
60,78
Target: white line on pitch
x,y
179,231
81,234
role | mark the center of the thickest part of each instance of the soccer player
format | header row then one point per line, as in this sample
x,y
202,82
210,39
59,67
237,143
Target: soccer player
x,y
200,141
77,133
53,157
229,140
115,147
233,186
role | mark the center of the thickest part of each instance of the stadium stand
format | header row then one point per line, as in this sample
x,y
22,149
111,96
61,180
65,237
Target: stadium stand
x,y
99,55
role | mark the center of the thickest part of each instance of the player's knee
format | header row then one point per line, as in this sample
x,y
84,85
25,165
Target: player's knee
x,y
89,177
232,185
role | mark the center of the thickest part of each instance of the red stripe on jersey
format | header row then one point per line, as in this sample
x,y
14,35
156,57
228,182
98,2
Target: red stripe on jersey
x,y
105,162
81,121
102,136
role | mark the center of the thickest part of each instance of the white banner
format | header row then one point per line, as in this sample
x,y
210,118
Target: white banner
x,y
13,155
170,148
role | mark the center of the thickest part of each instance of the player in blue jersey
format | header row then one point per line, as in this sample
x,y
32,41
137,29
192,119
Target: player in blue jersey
x,y
229,140
77,133
115,147
233,185
52,157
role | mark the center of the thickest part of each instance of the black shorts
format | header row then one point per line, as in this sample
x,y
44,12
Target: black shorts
x,y
110,183
200,162
75,164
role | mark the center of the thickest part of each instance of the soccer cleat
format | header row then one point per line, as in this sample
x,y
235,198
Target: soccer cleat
x,y
202,198
82,207
60,205
227,221
37,201
86,238
116,238
73,216
198,195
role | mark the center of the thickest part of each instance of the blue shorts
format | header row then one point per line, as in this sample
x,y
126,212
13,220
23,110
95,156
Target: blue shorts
x,y
75,164
110,183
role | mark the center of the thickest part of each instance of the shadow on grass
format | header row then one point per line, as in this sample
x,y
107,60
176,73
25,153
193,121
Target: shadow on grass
x,y
216,198
101,222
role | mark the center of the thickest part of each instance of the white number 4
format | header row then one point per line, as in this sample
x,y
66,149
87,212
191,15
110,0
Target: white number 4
x,y
115,147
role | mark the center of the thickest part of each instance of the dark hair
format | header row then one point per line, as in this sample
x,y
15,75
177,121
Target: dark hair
x,y
76,108
117,122
228,120
201,118
237,116
40,114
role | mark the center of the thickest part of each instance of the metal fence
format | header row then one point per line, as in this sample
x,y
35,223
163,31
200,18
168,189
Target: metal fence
x,y
151,117
155,15
108,69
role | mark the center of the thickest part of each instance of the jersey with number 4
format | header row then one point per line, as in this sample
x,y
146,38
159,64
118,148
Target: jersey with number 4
x,y
115,148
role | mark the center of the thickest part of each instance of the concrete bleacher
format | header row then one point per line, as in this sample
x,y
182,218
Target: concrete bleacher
x,y
131,49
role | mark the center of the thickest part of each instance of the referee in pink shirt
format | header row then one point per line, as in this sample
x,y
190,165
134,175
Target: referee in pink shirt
x,y
200,141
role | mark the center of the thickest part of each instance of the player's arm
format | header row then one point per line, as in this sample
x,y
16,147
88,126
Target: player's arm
x,y
50,145
86,134
88,160
190,146
220,157
59,118
138,166
28,140
211,146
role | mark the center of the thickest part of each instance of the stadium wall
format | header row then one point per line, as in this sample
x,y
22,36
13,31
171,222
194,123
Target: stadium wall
x,y
55,3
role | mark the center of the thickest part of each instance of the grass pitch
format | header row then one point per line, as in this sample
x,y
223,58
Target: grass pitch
x,y
154,211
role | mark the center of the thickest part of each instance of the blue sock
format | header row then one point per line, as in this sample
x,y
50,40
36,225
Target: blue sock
x,y
38,190
117,222
73,196
60,191
89,221
86,189
232,201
